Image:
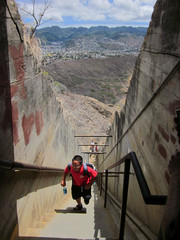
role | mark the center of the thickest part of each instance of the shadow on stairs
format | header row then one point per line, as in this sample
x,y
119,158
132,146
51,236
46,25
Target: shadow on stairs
x,y
92,222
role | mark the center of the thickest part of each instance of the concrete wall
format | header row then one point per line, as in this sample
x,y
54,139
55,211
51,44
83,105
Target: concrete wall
x,y
32,130
146,124
40,131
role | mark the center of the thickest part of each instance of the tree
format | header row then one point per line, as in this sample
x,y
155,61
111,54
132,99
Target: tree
x,y
37,13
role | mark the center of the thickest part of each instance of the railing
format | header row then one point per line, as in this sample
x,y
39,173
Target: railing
x,y
11,165
147,196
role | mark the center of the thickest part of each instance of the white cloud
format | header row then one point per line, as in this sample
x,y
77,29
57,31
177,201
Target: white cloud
x,y
100,10
77,9
99,4
148,2
125,4
145,12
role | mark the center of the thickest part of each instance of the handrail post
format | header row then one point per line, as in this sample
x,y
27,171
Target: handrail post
x,y
97,180
105,191
124,200
101,177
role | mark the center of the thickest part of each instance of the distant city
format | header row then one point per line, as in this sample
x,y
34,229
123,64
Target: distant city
x,y
82,43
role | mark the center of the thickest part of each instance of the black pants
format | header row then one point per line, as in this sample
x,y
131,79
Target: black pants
x,y
78,192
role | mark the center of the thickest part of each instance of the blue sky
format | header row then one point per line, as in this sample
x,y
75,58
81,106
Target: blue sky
x,y
87,13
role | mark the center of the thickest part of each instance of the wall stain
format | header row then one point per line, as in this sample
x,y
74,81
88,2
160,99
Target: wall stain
x,y
14,90
15,118
167,176
173,139
162,151
156,137
39,122
27,123
155,85
18,58
163,133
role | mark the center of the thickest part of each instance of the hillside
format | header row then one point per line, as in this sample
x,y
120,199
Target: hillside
x,y
105,79
72,42
88,116
66,35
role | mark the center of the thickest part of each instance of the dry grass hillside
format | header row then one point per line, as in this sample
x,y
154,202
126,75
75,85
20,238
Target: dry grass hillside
x,y
103,79
88,116
73,81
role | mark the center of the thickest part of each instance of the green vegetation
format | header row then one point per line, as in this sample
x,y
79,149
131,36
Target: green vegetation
x,y
77,80
60,86
57,84
45,73
107,86
109,96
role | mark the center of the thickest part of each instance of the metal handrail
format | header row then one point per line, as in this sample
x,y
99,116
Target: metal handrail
x,y
11,165
110,174
147,196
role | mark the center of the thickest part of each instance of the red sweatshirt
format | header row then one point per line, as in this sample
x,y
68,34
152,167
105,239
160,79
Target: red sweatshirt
x,y
79,179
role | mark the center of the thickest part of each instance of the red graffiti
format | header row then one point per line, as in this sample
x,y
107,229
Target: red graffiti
x,y
14,89
39,122
163,133
155,84
18,58
15,119
162,151
156,137
167,177
27,123
173,139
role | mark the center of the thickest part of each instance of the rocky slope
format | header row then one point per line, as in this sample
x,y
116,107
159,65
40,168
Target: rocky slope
x,y
88,115
73,82
103,79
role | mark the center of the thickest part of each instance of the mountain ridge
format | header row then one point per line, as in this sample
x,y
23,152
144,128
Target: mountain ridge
x,y
57,34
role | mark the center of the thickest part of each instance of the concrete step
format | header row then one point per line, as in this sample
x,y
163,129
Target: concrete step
x,y
47,238
92,222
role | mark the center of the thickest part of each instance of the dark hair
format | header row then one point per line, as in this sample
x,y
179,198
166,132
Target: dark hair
x,y
78,158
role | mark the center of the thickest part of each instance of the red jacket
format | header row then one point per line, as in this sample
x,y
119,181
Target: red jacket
x,y
79,179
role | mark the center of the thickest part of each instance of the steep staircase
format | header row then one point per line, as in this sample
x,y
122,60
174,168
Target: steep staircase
x,y
92,222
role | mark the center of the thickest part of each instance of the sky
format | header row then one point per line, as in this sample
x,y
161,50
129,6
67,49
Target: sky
x,y
87,13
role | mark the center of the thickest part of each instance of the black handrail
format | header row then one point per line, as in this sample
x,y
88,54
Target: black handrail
x,y
147,196
11,165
